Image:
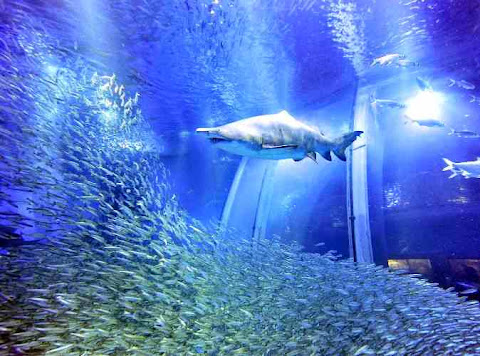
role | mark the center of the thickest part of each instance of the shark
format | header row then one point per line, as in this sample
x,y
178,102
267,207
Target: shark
x,y
423,84
464,133
469,169
277,136
386,103
387,59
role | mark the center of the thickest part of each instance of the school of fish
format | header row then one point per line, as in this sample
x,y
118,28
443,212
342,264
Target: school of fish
x,y
467,169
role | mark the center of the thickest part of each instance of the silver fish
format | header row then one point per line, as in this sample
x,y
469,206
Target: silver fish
x,y
381,103
461,84
464,133
426,122
387,59
423,84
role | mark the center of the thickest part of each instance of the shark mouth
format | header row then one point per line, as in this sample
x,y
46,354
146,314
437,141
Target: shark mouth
x,y
217,140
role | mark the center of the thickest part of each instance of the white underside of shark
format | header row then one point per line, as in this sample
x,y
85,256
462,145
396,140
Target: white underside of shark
x,y
275,137
469,169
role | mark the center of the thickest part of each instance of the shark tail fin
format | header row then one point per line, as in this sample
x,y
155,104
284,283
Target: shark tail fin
x,y
450,164
343,142
451,82
452,132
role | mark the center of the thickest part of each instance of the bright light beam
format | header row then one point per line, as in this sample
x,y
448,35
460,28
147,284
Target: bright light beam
x,y
425,105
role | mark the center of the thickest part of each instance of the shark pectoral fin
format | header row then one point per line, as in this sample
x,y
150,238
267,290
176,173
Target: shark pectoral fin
x,y
327,155
454,174
273,147
312,156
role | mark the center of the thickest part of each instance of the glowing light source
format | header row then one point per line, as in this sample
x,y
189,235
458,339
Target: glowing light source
x,y
412,265
425,105
108,116
51,70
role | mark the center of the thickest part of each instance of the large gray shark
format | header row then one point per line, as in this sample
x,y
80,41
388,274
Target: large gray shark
x,y
277,136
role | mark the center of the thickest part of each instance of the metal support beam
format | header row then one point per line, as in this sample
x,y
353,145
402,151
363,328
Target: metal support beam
x,y
357,183
227,209
264,202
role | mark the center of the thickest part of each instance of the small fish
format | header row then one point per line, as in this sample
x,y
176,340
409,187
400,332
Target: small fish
x,y
60,349
364,350
461,84
426,122
387,59
388,103
464,133
423,84
466,285
469,291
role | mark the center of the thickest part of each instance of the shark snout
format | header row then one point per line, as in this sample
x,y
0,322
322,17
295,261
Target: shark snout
x,y
209,132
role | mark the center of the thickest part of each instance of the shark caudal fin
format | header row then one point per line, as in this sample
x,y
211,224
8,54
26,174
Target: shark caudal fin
x,y
449,164
450,167
343,142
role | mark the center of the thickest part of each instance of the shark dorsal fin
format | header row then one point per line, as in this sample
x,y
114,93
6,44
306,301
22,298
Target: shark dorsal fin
x,y
285,114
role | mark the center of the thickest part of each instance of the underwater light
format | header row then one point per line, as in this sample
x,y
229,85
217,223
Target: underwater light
x,y
425,105
412,265
108,115
51,70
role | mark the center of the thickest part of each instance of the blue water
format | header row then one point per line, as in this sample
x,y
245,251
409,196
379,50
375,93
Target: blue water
x,y
208,63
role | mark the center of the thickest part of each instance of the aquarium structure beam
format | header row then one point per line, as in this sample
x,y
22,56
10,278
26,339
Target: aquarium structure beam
x,y
248,203
360,239
227,209
264,202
